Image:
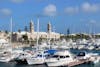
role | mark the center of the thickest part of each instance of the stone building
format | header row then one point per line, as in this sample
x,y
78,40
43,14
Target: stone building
x,y
4,35
32,35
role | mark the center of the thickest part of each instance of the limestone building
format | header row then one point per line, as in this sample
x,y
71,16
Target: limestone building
x,y
32,35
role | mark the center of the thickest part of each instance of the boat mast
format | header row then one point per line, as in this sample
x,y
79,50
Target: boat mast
x,y
11,30
50,37
37,33
11,33
54,32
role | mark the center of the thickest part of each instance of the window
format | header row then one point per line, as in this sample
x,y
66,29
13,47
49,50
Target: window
x,y
81,54
67,56
55,56
62,56
39,55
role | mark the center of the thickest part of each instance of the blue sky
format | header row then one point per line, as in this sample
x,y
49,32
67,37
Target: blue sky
x,y
77,15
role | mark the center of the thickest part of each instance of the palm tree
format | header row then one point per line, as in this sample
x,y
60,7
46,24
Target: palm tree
x,y
6,31
25,37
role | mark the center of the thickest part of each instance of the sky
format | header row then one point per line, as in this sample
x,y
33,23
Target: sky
x,y
80,16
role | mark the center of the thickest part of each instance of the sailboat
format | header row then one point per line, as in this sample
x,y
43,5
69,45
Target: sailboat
x,y
7,55
39,55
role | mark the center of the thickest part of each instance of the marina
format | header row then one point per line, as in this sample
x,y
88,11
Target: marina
x,y
49,33
68,53
48,55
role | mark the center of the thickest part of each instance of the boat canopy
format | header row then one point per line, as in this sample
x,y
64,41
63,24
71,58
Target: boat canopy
x,y
51,51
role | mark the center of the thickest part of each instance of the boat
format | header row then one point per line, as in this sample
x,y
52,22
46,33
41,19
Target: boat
x,y
60,58
38,58
95,58
6,54
5,57
21,59
35,57
96,61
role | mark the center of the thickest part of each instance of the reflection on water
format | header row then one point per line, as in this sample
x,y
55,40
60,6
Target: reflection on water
x,y
97,65
13,64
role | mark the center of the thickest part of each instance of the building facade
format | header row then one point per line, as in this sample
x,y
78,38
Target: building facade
x,y
32,35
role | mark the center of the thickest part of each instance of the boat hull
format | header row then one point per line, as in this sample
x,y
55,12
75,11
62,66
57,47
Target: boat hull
x,y
35,61
21,61
58,62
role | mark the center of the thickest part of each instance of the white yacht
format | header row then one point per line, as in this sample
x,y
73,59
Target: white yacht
x,y
38,58
5,57
60,58
83,55
4,45
94,57
4,52
21,59
8,56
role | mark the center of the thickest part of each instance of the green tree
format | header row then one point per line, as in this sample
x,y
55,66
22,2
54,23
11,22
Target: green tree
x,y
6,31
25,37
19,30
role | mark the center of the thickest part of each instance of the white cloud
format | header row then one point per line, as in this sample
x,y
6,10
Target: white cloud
x,y
5,11
92,21
50,10
87,7
17,1
71,10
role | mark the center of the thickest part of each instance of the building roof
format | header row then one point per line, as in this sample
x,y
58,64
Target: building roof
x,y
41,33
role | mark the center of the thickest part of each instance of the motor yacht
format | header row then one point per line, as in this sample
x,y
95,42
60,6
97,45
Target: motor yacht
x,y
60,58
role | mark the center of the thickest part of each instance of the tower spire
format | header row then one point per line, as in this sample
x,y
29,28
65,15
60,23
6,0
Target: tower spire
x,y
49,27
31,27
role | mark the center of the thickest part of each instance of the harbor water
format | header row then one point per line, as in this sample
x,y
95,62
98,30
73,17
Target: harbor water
x,y
13,64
